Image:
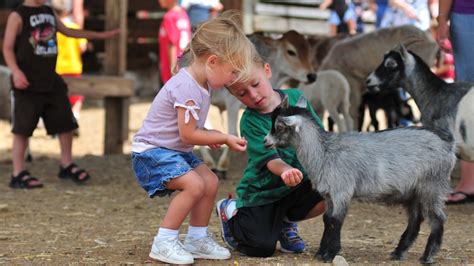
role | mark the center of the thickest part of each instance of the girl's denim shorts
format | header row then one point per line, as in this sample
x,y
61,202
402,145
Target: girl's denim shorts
x,y
155,167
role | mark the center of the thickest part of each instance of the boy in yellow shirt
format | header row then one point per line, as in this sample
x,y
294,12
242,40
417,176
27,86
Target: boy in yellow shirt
x,y
69,62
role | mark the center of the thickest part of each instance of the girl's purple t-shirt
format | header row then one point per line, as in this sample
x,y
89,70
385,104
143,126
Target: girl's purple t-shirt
x,y
160,127
463,6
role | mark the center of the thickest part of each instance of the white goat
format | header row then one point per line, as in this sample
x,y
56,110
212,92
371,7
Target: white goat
x,y
331,92
408,166
447,105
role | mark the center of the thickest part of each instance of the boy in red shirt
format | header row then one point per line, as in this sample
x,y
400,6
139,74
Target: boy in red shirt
x,y
174,35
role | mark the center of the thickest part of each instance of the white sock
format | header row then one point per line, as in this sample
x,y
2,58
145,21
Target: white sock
x,y
230,210
197,232
165,233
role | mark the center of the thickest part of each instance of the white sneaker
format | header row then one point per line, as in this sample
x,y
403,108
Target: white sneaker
x,y
170,251
205,248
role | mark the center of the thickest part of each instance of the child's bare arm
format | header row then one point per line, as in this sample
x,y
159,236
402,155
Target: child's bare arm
x,y
291,176
325,4
190,134
13,28
172,56
78,33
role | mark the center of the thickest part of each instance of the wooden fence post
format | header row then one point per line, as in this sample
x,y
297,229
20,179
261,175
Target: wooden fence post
x,y
117,108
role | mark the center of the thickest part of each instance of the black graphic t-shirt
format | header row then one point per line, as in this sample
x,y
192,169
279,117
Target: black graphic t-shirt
x,y
36,47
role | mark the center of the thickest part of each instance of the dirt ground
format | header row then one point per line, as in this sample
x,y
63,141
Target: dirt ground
x,y
111,220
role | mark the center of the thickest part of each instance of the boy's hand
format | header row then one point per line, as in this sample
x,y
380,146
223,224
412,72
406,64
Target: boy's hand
x,y
236,143
292,177
19,80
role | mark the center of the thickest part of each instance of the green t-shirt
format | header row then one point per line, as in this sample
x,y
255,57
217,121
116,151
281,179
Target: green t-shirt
x,y
258,185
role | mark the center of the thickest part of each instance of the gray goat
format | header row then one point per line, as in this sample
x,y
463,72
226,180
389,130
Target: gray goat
x,y
408,166
447,105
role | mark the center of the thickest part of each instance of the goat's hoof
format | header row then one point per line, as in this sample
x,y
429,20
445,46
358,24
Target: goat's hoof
x,y
428,260
29,158
221,174
324,256
396,256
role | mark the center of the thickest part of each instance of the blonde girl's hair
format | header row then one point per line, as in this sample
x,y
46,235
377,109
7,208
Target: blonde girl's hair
x,y
223,37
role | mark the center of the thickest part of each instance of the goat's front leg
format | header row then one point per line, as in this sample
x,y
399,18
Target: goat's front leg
x,y
331,241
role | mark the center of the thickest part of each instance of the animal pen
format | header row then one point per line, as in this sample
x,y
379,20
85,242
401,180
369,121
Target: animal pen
x,y
110,220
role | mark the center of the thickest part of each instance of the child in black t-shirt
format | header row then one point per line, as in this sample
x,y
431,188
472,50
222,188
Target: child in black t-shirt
x,y
30,51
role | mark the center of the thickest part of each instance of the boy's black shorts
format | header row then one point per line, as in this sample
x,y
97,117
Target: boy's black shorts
x,y
53,107
256,229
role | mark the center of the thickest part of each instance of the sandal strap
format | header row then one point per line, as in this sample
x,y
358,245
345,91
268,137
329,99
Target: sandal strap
x,y
21,175
29,179
69,167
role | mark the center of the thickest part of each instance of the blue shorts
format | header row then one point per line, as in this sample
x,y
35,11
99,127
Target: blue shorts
x,y
348,15
154,168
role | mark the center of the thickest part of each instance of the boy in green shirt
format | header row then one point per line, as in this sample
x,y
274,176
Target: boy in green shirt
x,y
274,191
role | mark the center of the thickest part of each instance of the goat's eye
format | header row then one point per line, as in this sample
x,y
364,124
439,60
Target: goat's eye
x,y
279,127
390,63
291,52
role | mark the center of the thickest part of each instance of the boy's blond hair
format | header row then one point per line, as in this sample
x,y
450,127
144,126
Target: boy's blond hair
x,y
224,37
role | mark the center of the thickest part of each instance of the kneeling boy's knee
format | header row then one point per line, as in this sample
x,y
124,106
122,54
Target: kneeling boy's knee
x,y
264,249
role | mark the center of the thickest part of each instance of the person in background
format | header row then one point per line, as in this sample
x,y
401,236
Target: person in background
x,y
201,10
274,192
69,63
409,12
444,65
30,51
379,7
343,18
456,23
173,36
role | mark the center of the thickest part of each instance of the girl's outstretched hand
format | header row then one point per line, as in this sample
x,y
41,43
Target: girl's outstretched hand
x,y
292,177
214,146
236,143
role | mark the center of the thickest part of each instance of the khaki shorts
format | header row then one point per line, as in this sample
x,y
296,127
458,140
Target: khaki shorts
x,y
53,107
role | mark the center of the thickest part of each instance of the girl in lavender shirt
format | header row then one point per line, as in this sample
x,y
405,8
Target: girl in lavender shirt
x,y
162,155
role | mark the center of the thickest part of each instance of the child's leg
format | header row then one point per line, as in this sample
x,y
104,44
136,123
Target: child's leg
x,y
201,212
191,187
352,25
67,168
18,153
65,143
317,210
332,30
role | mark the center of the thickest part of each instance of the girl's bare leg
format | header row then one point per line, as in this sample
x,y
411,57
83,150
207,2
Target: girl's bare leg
x,y
202,211
191,187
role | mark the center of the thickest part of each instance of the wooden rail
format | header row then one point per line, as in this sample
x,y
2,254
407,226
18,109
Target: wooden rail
x,y
116,93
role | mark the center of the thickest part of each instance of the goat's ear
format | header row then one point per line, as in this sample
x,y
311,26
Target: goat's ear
x,y
284,102
302,103
293,121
